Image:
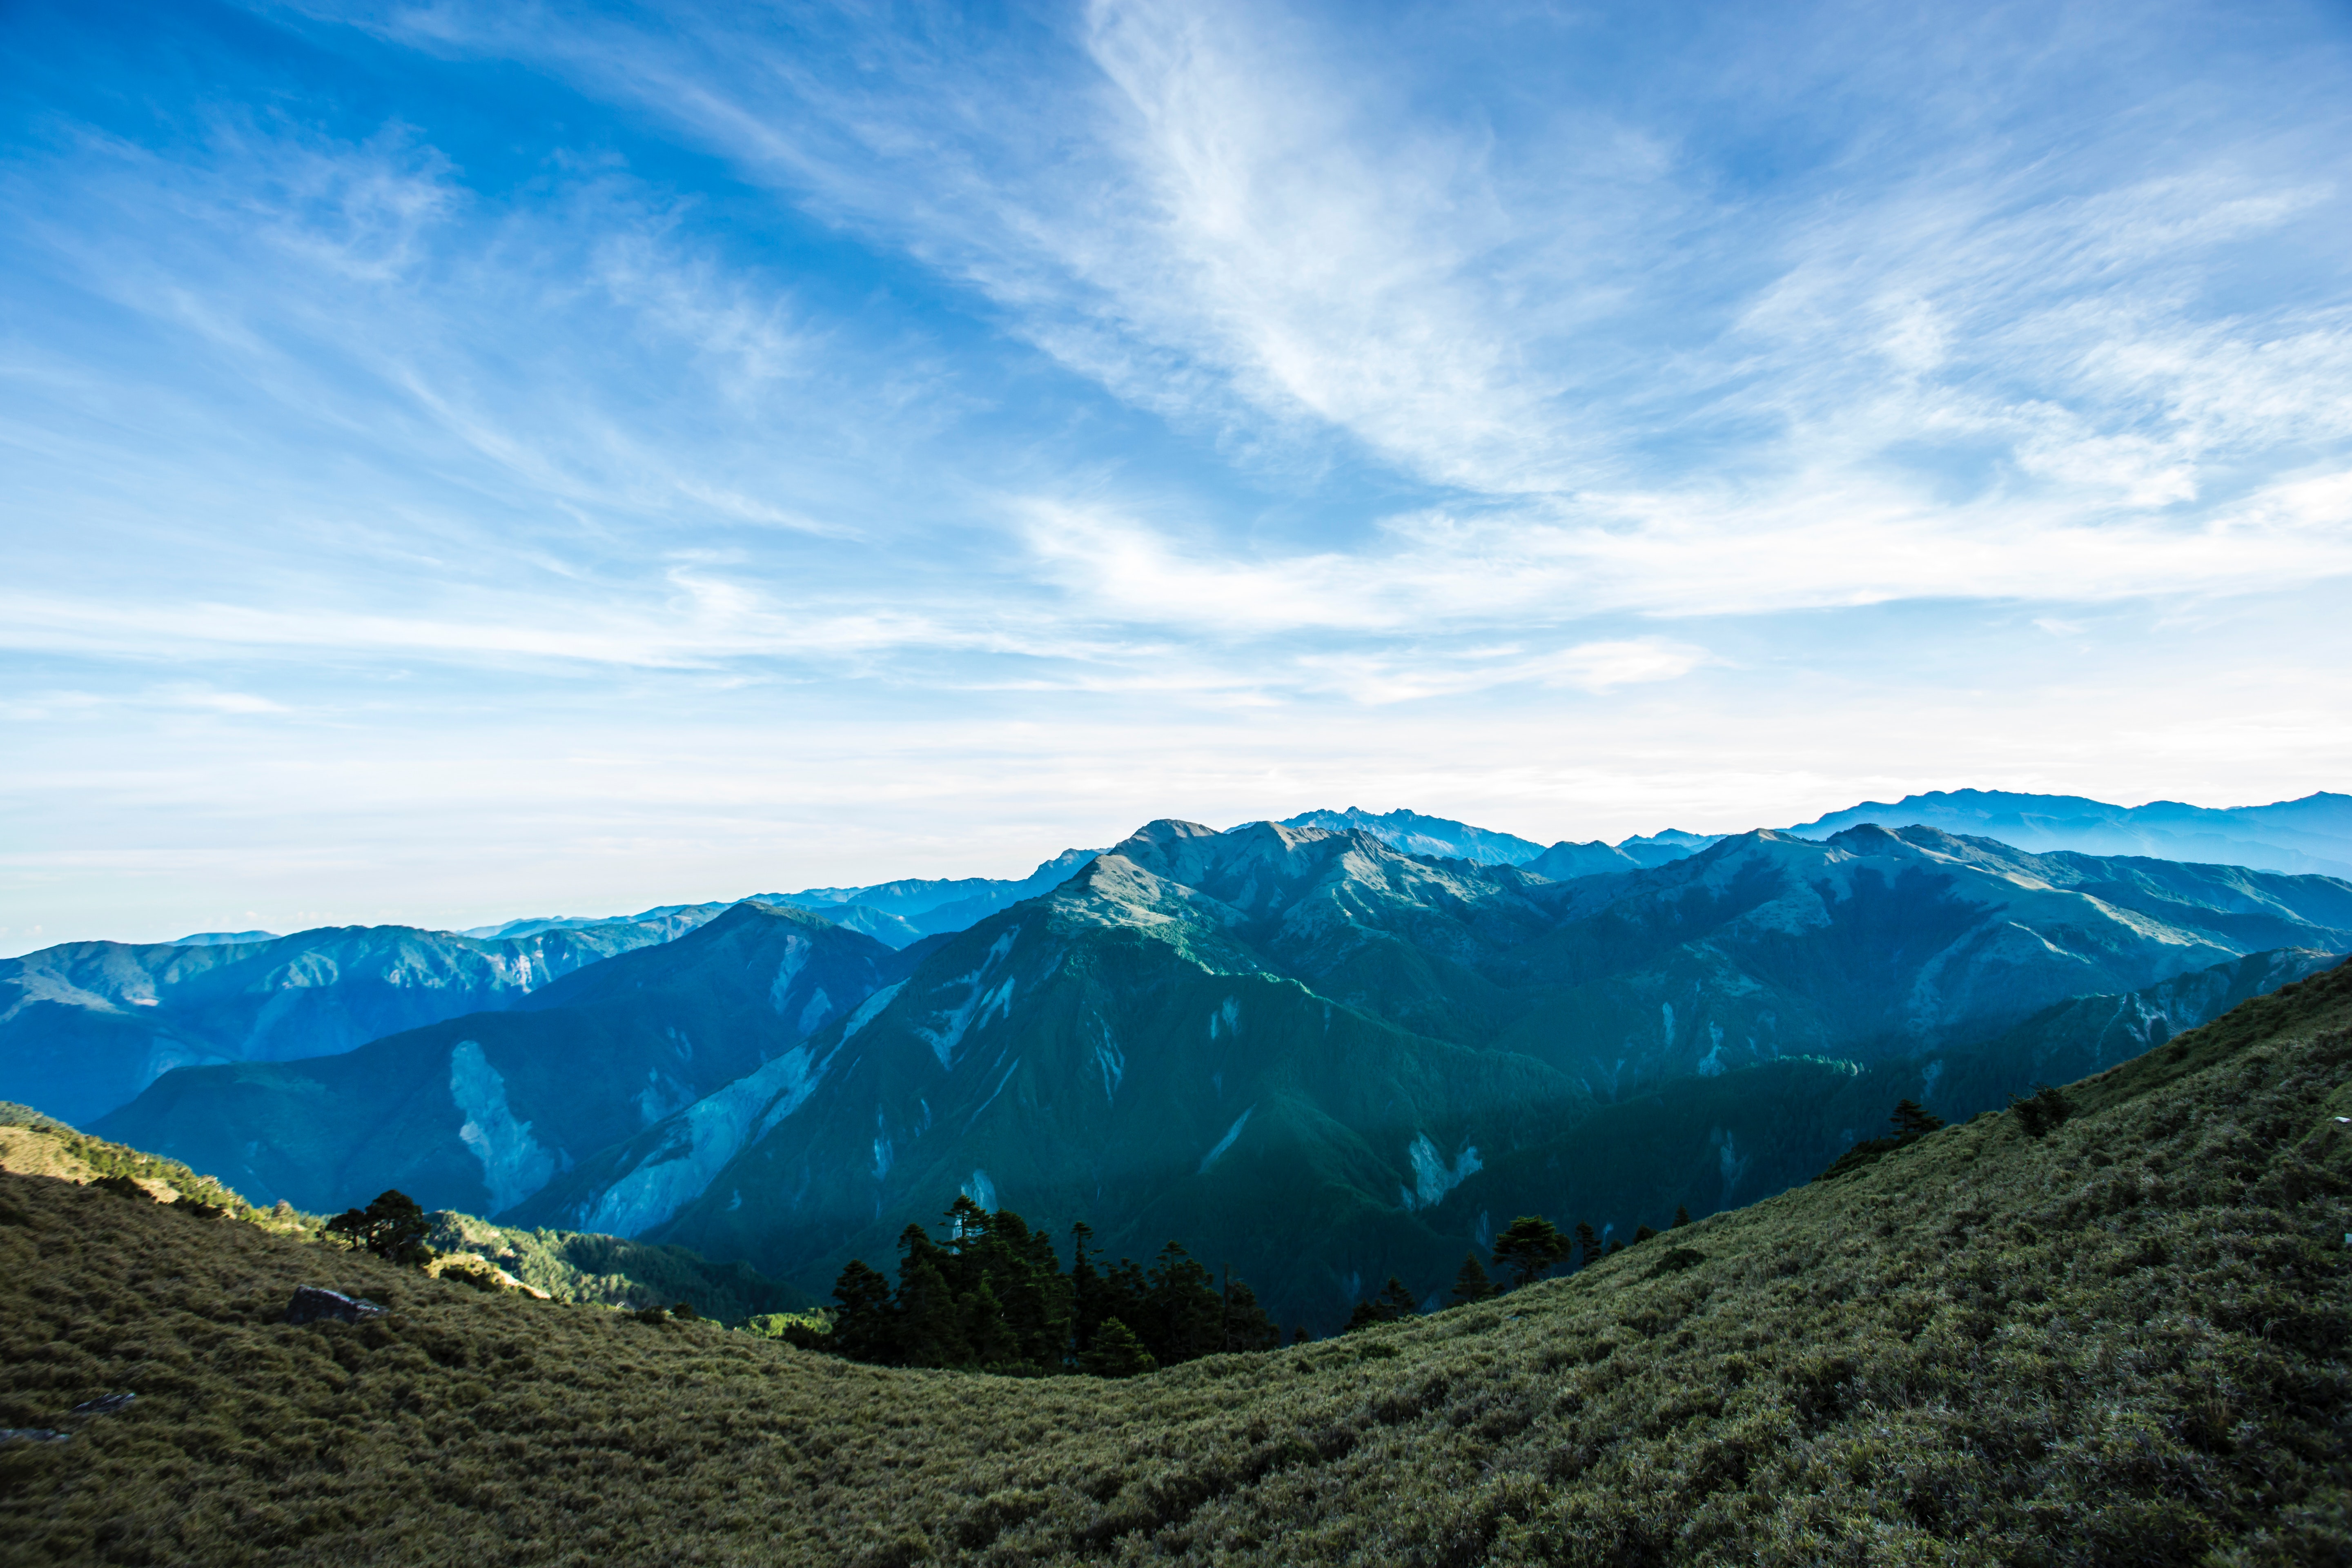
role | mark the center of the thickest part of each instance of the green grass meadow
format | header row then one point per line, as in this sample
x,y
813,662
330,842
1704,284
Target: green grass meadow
x,y
2121,1341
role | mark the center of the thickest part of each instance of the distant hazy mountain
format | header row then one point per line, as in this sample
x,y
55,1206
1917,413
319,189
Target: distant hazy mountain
x,y
1209,1035
2083,1035
1127,1049
920,908
1872,945
223,938
1565,861
86,1025
1203,1031
2310,835
478,1113
1417,834
671,921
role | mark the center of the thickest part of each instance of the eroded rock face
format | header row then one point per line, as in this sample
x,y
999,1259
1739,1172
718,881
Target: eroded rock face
x,y
316,1303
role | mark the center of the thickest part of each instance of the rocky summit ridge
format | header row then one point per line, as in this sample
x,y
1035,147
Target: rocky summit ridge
x,y
1171,1033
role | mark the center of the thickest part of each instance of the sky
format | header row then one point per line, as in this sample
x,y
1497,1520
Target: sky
x,y
467,460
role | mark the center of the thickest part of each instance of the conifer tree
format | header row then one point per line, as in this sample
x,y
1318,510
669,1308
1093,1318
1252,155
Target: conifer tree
x,y
1642,1233
394,1228
1393,1304
1247,1326
863,1326
1531,1248
989,1340
930,1330
1913,1121
1588,1244
1472,1284
1681,1216
1117,1352
1089,1292
1183,1316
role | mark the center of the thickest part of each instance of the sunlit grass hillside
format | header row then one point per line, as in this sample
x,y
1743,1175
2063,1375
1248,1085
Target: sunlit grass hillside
x,y
2121,1341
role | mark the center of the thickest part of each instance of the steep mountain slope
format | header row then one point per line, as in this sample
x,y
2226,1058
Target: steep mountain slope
x,y
1275,1009
1115,1051
2084,1035
2312,834
1434,836
1870,944
2119,1342
478,1113
86,1025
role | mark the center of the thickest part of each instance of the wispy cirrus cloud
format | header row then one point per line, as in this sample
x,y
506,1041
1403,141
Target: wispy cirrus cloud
x,y
1579,303
1655,406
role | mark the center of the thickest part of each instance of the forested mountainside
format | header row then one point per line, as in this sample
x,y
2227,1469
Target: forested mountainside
x,y
478,1113
1199,1019
2117,1336
1196,1020
86,1025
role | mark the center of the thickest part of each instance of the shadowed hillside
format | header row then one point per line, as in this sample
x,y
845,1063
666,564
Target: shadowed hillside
x,y
2120,1339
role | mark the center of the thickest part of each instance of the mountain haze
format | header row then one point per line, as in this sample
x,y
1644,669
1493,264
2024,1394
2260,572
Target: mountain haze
x,y
1409,1048
476,1113
1173,1030
2312,835
84,1027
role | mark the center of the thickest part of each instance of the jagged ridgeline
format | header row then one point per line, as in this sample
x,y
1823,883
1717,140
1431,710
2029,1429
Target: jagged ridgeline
x,y
2114,1336
1320,1060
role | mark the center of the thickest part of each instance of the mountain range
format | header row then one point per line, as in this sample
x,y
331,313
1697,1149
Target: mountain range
x,y
1211,1034
478,1113
85,1026
2311,834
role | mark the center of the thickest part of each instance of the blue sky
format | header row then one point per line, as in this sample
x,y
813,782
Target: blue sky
x,y
463,460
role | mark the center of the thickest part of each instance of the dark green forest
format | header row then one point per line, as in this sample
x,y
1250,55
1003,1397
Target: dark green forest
x,y
993,1296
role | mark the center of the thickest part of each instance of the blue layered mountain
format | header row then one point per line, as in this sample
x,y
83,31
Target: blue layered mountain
x,y
1129,1049
1318,1056
1870,944
1306,1047
2312,835
86,1025
478,1113
903,912
1435,836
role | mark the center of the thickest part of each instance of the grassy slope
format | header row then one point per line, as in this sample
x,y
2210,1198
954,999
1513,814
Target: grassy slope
x,y
2122,1344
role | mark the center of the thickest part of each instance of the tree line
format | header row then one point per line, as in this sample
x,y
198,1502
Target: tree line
x,y
1530,1248
993,1296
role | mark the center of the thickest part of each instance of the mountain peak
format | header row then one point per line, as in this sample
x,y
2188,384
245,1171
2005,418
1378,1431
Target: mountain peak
x,y
1415,834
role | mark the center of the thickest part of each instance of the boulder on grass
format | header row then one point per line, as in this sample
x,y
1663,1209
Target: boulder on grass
x,y
316,1303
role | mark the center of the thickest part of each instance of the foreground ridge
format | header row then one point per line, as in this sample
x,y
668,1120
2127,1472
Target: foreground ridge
x,y
2120,1340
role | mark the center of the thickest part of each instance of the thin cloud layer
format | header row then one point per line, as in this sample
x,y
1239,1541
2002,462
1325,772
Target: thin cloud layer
x,y
1143,364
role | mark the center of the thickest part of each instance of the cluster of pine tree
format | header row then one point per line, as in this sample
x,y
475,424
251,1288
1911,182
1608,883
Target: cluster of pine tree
x,y
1911,1123
1532,1248
993,1297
